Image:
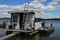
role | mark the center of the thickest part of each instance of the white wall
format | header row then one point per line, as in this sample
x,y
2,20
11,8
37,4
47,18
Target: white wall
x,y
38,25
31,19
31,16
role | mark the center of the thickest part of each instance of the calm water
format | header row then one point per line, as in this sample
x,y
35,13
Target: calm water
x,y
51,36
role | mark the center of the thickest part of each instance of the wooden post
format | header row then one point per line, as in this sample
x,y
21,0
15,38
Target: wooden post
x,y
12,20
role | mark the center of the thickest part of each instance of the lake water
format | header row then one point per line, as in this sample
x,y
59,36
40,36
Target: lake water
x,y
52,36
2,32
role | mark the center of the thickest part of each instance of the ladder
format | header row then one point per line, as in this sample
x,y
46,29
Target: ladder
x,y
25,16
25,19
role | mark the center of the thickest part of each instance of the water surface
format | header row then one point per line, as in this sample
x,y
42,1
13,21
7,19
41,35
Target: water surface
x,y
51,36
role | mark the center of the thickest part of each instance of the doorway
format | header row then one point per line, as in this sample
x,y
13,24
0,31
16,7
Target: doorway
x,y
21,20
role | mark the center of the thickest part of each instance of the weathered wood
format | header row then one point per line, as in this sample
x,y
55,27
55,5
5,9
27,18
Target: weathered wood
x,y
31,32
8,36
18,30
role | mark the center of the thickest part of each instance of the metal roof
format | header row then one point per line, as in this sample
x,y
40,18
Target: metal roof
x,y
19,11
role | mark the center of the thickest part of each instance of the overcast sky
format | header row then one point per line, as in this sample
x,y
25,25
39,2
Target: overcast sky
x,y
49,8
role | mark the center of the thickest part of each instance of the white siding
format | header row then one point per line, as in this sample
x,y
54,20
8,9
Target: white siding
x,y
31,21
38,25
31,16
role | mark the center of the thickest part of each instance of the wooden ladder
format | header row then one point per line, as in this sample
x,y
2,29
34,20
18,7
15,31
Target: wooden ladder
x,y
25,17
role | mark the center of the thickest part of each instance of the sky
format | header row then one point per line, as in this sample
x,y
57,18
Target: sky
x,y
49,8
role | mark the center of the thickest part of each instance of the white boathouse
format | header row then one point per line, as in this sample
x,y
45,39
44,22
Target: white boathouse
x,y
26,20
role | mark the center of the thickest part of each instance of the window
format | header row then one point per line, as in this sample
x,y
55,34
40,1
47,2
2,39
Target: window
x,y
15,18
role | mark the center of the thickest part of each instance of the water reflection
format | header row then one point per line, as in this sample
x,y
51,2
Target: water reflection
x,y
22,38
55,35
45,34
2,32
38,36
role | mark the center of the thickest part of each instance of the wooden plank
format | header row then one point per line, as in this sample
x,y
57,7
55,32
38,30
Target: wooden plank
x,y
18,30
10,35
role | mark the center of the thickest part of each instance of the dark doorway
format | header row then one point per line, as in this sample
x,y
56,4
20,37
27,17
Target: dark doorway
x,y
21,19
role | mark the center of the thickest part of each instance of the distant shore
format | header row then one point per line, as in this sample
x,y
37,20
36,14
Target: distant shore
x,y
52,19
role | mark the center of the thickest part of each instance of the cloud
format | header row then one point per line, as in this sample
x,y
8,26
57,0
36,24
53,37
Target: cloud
x,y
40,0
56,0
38,5
43,0
3,6
35,4
46,15
55,3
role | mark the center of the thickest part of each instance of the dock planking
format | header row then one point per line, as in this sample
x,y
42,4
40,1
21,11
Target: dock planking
x,y
18,30
8,36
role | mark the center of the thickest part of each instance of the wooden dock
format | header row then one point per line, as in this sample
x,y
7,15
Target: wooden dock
x,y
18,30
8,36
26,32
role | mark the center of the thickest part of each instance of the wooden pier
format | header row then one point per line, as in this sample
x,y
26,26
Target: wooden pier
x,y
30,32
18,30
8,36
